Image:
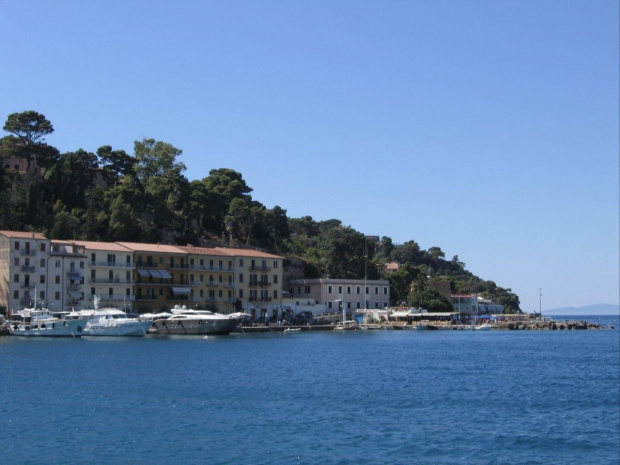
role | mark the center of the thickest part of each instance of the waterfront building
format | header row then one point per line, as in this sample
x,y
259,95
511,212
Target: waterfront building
x,y
354,293
160,276
465,304
258,282
109,274
23,268
66,273
211,278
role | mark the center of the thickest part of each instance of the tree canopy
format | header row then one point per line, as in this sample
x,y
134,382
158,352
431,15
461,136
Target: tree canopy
x,y
110,195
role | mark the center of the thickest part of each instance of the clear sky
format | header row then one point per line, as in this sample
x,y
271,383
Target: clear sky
x,y
487,128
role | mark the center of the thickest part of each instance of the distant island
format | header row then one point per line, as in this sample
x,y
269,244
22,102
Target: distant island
x,y
597,309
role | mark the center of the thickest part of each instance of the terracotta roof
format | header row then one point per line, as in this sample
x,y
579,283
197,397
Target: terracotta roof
x,y
248,253
111,246
156,248
204,251
22,235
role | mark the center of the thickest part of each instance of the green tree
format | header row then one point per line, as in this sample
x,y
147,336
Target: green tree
x,y
224,185
401,280
431,300
29,127
243,215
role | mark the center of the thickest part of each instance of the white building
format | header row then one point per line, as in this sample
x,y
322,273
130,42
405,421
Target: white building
x,y
66,272
109,274
23,269
354,294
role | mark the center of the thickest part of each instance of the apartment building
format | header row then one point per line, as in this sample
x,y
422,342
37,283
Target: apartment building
x,y
160,276
66,274
354,294
109,274
258,282
211,278
23,269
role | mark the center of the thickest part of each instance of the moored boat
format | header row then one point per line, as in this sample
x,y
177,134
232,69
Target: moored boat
x,y
40,322
186,321
347,325
113,322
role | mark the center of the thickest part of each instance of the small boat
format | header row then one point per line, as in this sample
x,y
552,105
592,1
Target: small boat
x,y
43,323
482,327
113,322
369,326
292,330
189,322
347,325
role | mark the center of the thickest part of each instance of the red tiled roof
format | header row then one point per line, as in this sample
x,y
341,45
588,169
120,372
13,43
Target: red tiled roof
x,y
156,248
248,253
22,235
94,245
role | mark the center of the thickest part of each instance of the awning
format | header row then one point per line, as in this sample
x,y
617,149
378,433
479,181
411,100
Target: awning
x,y
74,276
180,290
155,273
75,295
164,274
143,273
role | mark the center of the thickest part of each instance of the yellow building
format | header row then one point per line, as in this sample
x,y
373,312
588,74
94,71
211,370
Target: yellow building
x,y
211,278
161,278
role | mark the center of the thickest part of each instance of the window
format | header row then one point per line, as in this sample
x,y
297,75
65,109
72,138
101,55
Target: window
x,y
348,289
92,291
42,247
221,278
339,289
82,265
358,291
241,262
275,279
329,289
16,262
275,294
110,291
376,290
349,305
202,293
358,305
17,245
240,277
43,263
385,291
275,264
57,280
42,279
127,291
16,294
241,293
367,290
93,258
128,260
93,275
219,293
329,305
191,278
221,265
16,278
57,295
57,264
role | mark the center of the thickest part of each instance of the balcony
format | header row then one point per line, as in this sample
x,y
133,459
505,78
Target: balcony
x,y
27,286
113,297
28,252
224,269
111,281
111,264
27,268
212,284
259,268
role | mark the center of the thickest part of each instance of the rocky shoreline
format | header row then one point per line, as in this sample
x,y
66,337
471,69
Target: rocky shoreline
x,y
550,325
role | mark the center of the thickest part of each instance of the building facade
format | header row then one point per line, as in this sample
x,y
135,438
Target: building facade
x,y
354,294
109,274
23,269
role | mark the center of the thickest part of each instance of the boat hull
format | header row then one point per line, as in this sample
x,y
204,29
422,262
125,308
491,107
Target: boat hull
x,y
117,329
194,328
60,328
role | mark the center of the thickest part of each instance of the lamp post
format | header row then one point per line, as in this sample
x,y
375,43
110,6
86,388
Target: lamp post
x,y
540,303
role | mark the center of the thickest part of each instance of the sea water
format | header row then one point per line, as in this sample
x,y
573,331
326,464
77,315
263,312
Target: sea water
x,y
365,397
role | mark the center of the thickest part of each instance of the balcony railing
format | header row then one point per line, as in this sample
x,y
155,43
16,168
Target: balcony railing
x,y
27,268
227,269
111,264
111,281
113,297
260,268
29,252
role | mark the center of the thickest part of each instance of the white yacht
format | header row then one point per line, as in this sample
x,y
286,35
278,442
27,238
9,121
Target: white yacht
x,y
113,322
346,325
194,322
42,322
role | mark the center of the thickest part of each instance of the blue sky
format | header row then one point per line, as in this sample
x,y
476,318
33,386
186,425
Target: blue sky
x,y
487,128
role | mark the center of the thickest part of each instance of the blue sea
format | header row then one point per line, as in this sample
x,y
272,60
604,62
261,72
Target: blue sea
x,y
366,397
